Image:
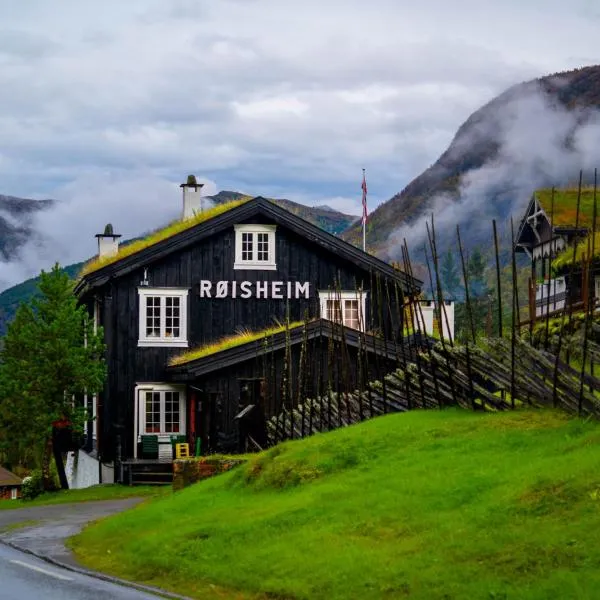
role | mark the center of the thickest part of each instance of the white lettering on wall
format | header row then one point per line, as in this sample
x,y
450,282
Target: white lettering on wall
x,y
276,290
261,289
222,289
246,288
257,289
302,288
205,289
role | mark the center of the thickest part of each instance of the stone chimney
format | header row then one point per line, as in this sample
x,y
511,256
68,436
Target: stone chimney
x,y
108,242
192,197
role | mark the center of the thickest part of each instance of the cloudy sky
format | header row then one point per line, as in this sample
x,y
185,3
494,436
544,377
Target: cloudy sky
x,y
107,106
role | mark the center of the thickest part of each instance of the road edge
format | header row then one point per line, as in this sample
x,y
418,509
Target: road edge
x,y
97,574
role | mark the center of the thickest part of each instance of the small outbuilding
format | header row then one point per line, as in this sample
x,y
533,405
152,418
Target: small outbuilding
x,y
10,485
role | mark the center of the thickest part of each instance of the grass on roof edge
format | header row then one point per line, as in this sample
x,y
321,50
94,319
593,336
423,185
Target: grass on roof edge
x,y
159,235
231,341
565,205
583,250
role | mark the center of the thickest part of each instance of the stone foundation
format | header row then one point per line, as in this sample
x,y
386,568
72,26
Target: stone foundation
x,y
191,470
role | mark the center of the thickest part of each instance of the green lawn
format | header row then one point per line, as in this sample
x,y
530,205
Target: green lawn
x,y
423,505
97,492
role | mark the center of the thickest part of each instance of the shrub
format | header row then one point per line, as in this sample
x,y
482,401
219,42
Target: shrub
x,y
32,485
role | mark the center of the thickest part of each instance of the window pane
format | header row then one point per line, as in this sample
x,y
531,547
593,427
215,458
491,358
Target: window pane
x,y
351,314
171,412
333,310
247,246
152,412
172,316
152,316
262,246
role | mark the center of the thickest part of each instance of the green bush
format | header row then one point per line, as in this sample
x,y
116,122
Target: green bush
x,y
32,485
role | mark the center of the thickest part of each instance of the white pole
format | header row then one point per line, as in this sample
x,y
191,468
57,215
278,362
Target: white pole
x,y
364,207
364,236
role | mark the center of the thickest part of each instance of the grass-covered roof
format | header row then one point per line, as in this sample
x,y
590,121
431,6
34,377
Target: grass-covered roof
x,y
159,236
563,210
587,247
232,341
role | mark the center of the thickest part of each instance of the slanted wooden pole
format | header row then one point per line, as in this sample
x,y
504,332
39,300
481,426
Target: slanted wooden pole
x,y
498,285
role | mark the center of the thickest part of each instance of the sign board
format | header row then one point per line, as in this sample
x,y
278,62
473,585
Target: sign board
x,y
276,290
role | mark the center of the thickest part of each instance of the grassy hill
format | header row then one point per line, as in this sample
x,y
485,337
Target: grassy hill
x,y
424,505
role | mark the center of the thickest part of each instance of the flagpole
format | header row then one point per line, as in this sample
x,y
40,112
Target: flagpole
x,y
364,207
364,236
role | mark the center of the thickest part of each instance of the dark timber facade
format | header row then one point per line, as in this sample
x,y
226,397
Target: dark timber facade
x,y
249,268
555,221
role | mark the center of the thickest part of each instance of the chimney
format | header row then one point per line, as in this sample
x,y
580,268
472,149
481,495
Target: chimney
x,y
108,242
192,197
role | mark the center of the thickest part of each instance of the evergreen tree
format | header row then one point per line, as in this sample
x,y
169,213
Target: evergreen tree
x,y
479,291
50,354
449,276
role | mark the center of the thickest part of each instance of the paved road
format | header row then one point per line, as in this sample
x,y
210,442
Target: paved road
x,y
25,577
54,524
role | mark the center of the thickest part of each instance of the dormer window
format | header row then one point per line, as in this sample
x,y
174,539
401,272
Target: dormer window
x,y
163,317
255,247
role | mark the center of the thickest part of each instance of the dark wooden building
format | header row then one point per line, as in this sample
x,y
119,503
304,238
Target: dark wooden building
x,y
549,229
241,272
10,485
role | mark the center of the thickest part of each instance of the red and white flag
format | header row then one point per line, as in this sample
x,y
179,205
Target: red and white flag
x,y
364,198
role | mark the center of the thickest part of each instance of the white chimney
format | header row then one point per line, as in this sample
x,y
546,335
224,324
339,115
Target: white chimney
x,y
108,242
192,197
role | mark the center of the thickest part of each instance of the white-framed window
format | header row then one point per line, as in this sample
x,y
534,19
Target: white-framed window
x,y
14,493
163,317
161,410
255,247
346,307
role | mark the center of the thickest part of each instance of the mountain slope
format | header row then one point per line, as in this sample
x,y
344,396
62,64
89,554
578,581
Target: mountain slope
x,y
324,217
535,134
15,222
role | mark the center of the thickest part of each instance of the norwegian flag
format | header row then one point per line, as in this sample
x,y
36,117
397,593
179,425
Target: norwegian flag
x,y
364,198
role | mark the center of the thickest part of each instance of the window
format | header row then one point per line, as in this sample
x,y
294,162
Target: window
x,y
163,317
14,493
344,307
255,247
162,411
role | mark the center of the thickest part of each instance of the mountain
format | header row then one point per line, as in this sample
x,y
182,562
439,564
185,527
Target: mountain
x,y
538,133
325,217
10,299
16,222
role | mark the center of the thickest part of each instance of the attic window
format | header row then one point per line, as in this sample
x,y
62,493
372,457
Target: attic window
x,y
255,247
163,317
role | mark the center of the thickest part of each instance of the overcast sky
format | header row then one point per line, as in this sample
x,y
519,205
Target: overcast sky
x,y
108,105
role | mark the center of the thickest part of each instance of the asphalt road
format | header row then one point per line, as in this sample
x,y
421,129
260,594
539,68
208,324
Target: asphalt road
x,y
25,577
50,526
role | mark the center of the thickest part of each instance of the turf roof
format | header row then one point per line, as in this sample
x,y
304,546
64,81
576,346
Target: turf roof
x,y
587,247
232,341
159,235
564,211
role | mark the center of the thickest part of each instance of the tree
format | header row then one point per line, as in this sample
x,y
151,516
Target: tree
x,y
449,275
478,290
50,354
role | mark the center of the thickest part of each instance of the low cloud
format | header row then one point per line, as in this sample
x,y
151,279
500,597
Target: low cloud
x,y
133,203
538,144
